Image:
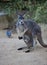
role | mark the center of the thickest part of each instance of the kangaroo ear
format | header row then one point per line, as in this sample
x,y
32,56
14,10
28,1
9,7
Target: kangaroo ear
x,y
21,12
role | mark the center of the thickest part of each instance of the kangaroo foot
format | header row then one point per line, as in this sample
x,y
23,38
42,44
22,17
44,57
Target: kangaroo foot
x,y
19,48
27,51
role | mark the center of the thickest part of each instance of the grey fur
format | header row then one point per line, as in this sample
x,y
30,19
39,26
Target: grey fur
x,y
33,31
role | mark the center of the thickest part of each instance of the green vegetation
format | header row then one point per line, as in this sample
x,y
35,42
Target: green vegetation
x,y
37,9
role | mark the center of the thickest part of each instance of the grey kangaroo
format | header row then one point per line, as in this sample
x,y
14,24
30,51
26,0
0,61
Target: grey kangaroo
x,y
28,30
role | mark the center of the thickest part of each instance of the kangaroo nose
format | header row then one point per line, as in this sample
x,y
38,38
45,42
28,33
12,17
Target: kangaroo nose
x,y
22,23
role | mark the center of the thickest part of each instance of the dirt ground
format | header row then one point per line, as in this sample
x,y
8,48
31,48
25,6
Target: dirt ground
x,y
9,55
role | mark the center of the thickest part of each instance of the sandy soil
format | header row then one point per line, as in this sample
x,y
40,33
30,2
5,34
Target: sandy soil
x,y
9,55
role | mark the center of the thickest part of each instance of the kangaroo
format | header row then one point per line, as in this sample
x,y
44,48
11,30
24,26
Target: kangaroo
x,y
28,30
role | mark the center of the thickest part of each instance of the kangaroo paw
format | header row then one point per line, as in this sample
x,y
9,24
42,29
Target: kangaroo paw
x,y
19,38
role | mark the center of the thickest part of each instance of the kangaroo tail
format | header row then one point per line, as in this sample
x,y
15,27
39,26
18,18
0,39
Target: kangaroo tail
x,y
39,38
